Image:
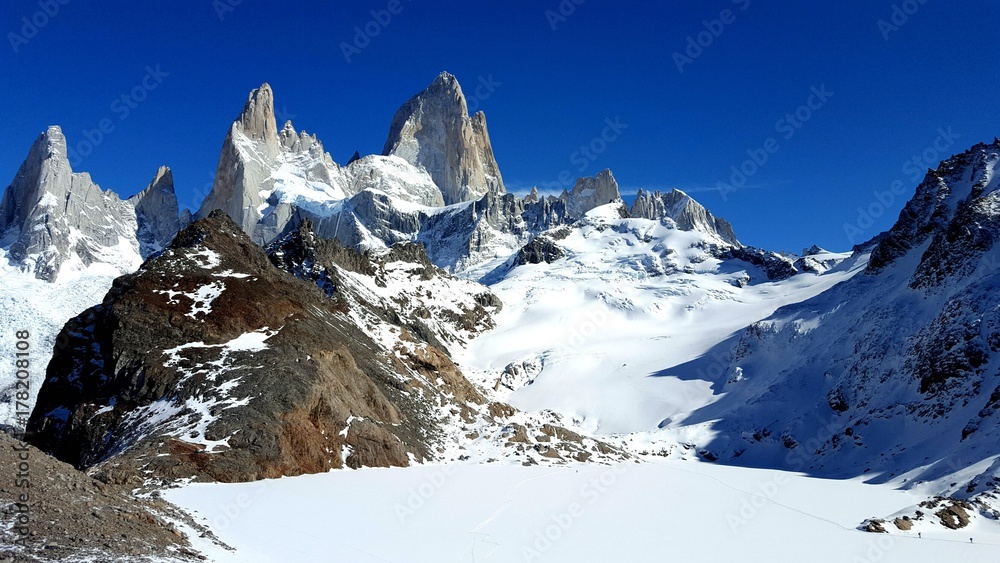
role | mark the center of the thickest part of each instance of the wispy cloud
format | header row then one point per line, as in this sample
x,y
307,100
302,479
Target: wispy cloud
x,y
688,189
523,188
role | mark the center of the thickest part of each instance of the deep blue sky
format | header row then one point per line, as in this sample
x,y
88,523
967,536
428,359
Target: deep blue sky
x,y
556,88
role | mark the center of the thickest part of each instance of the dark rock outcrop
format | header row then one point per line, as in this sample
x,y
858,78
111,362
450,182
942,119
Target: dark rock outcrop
x,y
944,204
211,362
775,266
539,250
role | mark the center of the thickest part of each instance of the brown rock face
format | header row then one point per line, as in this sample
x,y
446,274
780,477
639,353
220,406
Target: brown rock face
x,y
954,515
73,516
211,362
257,118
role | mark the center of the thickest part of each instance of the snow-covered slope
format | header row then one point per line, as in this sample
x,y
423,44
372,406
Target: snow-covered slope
x,y
591,333
883,364
894,374
41,308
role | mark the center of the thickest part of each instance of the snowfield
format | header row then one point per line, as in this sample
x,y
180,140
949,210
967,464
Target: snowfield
x,y
41,308
632,299
665,511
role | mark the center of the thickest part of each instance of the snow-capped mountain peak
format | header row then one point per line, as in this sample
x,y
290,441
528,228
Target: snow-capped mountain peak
x,y
687,213
52,217
433,131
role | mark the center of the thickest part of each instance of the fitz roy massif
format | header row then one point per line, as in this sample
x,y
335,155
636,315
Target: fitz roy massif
x,y
415,364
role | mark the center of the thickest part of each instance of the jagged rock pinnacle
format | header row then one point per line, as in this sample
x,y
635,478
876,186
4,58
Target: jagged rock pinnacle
x,y
238,181
688,214
257,118
433,130
591,192
156,213
52,213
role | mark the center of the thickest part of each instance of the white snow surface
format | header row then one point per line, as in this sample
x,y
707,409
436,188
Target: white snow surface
x,y
665,511
41,308
632,299
306,177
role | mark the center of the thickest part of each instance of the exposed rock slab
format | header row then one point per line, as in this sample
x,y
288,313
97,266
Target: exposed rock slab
x,y
433,131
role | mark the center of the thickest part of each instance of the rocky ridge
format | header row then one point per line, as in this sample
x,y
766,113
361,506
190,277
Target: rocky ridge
x,y
437,183
76,517
209,362
895,367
